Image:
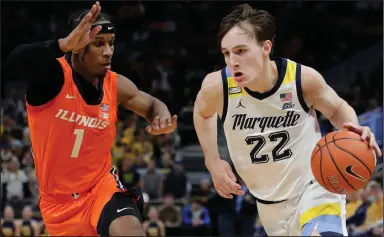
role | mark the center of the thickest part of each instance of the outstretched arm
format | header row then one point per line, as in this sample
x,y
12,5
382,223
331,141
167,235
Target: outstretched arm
x,y
322,97
147,106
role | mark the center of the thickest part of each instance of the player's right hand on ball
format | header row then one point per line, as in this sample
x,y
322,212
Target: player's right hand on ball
x,y
82,34
224,180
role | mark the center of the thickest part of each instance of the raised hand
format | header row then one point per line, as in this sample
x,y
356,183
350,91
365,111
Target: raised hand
x,y
82,34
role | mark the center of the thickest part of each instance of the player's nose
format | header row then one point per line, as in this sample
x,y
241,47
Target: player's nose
x,y
233,62
107,51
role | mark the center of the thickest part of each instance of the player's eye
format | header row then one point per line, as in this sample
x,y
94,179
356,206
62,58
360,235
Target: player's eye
x,y
99,43
111,43
241,51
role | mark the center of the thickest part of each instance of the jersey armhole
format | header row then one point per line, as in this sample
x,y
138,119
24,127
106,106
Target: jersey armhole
x,y
225,94
299,88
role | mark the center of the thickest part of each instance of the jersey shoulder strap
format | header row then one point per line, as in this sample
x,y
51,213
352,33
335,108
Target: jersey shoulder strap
x,y
293,79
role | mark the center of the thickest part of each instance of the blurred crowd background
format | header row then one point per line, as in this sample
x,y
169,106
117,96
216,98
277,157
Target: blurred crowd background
x,y
167,48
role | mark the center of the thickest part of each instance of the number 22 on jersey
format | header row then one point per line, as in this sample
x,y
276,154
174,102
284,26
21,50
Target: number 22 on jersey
x,y
79,133
277,153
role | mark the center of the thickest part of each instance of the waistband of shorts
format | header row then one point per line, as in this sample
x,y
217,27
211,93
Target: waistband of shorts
x,y
62,198
274,202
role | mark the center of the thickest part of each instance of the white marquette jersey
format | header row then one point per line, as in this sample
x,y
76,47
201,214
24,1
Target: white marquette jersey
x,y
271,135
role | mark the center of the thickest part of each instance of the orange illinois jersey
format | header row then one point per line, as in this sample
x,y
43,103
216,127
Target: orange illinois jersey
x,y
71,140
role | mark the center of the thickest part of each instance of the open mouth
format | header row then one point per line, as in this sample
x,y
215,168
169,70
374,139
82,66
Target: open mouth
x,y
238,76
106,65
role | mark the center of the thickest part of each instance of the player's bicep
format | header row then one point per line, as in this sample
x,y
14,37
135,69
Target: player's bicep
x,y
318,94
130,97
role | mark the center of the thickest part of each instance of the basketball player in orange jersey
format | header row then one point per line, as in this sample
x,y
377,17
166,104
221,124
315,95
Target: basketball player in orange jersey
x,y
72,102
267,106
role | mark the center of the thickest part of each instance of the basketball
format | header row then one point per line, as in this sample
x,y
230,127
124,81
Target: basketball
x,y
342,163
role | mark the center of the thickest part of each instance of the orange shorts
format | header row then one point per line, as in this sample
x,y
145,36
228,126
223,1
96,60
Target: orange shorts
x,y
65,215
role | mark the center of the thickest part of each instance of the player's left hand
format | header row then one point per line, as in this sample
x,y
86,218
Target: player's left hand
x,y
162,125
366,134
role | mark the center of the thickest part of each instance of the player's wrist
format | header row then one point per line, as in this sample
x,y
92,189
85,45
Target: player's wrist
x,y
63,45
211,161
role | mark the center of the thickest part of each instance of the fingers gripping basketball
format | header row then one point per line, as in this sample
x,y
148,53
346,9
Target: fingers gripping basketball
x,y
342,163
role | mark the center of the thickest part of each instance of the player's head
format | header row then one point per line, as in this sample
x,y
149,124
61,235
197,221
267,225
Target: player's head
x,y
96,57
246,37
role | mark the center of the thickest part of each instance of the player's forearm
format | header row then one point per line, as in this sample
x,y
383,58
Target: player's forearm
x,y
345,113
206,129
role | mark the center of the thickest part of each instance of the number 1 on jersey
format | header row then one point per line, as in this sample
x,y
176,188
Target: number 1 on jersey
x,y
78,141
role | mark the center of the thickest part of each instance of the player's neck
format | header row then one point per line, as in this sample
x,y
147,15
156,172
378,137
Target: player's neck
x,y
76,66
267,78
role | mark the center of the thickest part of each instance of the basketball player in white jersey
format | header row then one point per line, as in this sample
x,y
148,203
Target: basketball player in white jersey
x,y
268,109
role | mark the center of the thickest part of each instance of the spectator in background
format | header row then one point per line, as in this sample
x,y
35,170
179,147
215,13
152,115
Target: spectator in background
x,y
152,181
238,215
8,223
169,213
375,209
166,161
140,141
27,226
117,152
204,192
27,160
175,181
353,202
196,218
14,182
154,226
7,156
128,174
129,129
366,214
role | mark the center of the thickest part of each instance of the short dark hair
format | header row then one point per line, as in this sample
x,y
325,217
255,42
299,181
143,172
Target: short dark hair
x,y
76,17
262,23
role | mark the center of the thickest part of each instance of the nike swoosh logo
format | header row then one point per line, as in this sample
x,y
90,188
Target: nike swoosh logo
x,y
110,28
70,97
349,171
122,209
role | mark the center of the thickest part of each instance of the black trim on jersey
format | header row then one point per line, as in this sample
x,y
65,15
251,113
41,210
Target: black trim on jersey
x,y
274,202
225,94
281,64
299,89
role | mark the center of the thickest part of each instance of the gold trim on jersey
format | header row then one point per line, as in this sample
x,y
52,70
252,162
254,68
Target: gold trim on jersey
x,y
290,73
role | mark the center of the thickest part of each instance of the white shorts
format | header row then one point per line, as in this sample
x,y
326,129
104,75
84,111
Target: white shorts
x,y
314,207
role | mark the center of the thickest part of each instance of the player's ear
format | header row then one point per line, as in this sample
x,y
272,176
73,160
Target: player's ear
x,y
267,47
